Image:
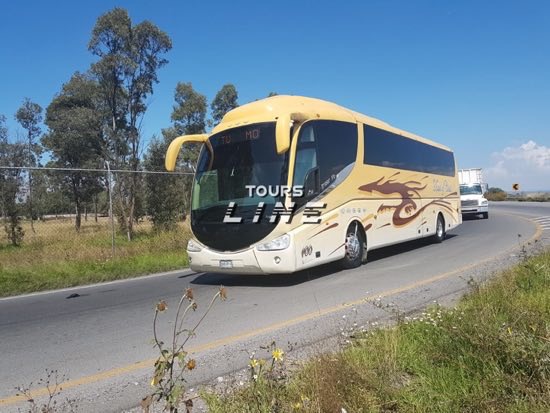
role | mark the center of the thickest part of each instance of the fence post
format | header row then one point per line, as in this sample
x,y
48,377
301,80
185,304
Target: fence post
x,y
109,184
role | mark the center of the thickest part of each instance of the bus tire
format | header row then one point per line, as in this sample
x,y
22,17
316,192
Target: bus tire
x,y
439,235
355,246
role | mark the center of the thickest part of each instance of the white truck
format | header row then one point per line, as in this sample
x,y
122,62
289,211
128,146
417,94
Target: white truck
x,y
472,191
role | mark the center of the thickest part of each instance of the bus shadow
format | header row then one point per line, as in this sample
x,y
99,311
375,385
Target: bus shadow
x,y
272,280
386,252
472,217
325,270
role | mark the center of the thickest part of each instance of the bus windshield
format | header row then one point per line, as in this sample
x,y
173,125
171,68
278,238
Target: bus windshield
x,y
470,190
238,157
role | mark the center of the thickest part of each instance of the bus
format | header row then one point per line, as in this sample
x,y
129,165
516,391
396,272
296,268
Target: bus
x,y
288,183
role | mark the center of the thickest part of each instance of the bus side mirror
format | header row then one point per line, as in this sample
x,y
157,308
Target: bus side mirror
x,y
312,182
282,133
174,148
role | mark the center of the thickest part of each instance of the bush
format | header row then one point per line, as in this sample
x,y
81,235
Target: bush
x,y
496,194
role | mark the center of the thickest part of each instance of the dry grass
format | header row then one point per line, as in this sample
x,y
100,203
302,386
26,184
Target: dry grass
x,y
56,256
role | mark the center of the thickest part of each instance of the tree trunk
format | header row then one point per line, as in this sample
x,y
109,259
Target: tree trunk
x,y
78,207
131,216
78,220
30,202
95,208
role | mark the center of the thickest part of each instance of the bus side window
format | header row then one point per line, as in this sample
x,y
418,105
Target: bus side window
x,y
336,150
328,146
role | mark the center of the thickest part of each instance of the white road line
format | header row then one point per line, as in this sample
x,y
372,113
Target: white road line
x,y
183,271
543,222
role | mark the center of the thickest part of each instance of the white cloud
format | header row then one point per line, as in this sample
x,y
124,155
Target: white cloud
x,y
527,164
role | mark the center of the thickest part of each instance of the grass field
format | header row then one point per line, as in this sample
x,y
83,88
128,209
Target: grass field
x,y
56,256
489,354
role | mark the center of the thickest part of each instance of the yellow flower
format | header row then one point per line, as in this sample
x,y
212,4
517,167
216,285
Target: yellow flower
x,y
254,363
277,354
297,406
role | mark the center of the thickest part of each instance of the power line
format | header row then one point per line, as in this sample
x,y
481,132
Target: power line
x,y
43,168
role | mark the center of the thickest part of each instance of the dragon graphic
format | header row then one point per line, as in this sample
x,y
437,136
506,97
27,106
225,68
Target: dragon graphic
x,y
407,211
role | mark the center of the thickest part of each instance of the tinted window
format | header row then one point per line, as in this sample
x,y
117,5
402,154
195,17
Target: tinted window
x,y
327,145
238,157
383,148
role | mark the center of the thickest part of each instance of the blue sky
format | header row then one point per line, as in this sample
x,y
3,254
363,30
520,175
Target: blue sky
x,y
472,75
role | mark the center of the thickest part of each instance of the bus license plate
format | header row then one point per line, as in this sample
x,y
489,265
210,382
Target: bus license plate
x,y
226,264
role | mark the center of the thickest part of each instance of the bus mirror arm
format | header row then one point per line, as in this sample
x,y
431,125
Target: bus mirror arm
x,y
174,148
282,133
282,129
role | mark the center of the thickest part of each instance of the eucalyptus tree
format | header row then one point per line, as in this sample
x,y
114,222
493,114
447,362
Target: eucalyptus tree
x,y
74,139
29,116
129,57
165,193
12,155
168,195
224,101
188,117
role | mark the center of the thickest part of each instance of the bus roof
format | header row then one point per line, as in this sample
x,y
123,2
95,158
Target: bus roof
x,y
268,109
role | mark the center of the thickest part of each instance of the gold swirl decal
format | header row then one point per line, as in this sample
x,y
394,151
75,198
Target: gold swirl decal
x,y
407,211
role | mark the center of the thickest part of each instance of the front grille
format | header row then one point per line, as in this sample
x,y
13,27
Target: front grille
x,y
472,202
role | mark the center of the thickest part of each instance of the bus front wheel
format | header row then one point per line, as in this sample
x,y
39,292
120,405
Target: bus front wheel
x,y
355,247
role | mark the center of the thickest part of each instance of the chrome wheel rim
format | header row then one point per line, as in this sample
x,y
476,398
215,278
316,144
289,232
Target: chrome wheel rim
x,y
353,246
439,228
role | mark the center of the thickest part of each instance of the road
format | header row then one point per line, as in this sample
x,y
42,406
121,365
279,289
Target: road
x,y
99,337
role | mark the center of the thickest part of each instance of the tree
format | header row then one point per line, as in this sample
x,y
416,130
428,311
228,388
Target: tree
x,y
165,192
225,100
188,117
271,94
11,155
129,58
75,139
167,196
496,194
29,116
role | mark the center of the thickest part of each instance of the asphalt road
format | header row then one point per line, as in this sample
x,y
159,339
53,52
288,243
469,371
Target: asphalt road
x,y
99,337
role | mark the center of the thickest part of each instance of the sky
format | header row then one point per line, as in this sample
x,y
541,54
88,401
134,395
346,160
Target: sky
x,y
472,75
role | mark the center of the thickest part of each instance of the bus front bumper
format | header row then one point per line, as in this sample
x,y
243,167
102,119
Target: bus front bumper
x,y
249,261
475,209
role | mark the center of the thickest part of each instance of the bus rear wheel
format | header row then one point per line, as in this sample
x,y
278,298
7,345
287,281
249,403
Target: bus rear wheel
x,y
355,247
439,235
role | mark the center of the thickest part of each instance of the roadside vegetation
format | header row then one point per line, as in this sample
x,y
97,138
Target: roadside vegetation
x,y
56,256
498,194
489,354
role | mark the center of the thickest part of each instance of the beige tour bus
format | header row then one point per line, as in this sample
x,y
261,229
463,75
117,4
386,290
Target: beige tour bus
x,y
289,182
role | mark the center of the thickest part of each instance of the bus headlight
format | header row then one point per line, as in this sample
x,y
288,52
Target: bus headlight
x,y
193,246
484,201
277,244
